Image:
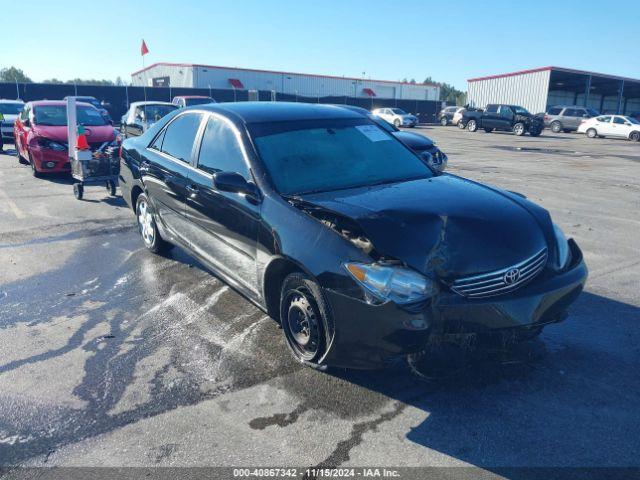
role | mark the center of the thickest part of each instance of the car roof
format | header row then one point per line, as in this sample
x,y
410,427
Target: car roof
x,y
191,96
62,103
150,102
261,112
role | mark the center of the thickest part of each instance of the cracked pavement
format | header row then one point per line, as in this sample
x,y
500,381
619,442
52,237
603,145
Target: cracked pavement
x,y
111,356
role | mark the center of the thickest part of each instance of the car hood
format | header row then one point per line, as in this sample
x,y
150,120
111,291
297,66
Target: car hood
x,y
415,141
103,133
444,225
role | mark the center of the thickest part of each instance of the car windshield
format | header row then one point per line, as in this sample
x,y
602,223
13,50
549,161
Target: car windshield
x,y
326,155
632,120
56,115
398,111
154,113
197,101
90,100
521,111
10,108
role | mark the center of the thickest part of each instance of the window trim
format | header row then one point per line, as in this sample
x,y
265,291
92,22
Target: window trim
x,y
238,138
164,129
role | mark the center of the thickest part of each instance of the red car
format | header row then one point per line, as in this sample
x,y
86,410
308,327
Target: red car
x,y
41,134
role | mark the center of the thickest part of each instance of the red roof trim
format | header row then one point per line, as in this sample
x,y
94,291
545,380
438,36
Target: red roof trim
x,y
560,69
236,83
369,91
166,64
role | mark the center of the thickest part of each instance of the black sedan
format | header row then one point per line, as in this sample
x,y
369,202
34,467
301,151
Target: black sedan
x,y
342,233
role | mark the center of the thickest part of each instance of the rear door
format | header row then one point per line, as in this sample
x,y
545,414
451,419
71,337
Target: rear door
x,y
603,126
165,169
572,118
223,226
490,117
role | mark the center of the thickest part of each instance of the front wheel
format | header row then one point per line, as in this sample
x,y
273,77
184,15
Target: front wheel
x,y
147,226
396,122
303,316
634,136
472,125
519,129
444,122
592,133
34,170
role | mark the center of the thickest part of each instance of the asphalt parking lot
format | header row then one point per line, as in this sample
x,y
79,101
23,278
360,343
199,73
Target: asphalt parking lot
x,y
111,356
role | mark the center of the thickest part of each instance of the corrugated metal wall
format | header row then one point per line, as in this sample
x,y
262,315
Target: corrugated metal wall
x,y
528,90
285,83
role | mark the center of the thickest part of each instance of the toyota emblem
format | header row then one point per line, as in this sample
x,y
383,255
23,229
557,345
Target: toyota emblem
x,y
512,276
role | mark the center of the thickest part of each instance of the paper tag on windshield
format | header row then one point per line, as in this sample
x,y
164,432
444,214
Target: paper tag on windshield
x,y
373,133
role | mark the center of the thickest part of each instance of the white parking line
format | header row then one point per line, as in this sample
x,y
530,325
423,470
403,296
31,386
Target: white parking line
x,y
12,206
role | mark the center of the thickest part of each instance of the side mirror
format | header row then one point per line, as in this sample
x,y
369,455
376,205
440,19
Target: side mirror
x,y
235,183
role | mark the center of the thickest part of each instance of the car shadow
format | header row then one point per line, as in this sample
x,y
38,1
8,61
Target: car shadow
x,y
570,398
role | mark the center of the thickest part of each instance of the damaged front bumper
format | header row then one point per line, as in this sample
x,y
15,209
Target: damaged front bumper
x,y
370,336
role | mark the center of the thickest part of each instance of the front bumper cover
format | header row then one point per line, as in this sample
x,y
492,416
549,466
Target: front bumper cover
x,y
370,336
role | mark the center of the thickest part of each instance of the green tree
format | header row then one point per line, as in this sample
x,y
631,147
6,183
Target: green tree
x,y
13,74
449,93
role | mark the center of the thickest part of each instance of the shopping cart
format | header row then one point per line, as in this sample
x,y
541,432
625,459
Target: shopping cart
x,y
95,167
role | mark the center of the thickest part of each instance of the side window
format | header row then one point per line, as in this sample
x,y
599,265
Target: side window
x,y
554,111
492,109
220,150
619,120
604,119
506,112
157,143
571,112
180,136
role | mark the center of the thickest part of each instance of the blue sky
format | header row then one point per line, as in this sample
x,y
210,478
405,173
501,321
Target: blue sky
x,y
449,41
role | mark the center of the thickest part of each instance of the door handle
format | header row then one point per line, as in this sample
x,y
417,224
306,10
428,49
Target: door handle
x,y
144,167
192,189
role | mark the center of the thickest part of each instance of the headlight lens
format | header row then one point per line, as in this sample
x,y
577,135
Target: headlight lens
x,y
563,246
392,282
51,145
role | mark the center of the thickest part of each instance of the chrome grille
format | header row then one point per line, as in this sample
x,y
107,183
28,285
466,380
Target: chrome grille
x,y
501,281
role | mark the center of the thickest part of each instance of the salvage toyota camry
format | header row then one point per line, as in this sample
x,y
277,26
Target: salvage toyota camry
x,y
342,234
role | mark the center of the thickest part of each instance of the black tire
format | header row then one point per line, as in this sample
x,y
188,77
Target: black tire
x,y
634,136
396,122
34,171
304,317
78,191
472,125
556,127
111,187
461,125
488,130
519,129
147,226
592,133
444,121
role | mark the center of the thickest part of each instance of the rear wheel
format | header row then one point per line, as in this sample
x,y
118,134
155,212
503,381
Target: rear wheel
x,y
147,226
519,129
472,125
444,121
592,133
556,127
303,316
634,136
396,122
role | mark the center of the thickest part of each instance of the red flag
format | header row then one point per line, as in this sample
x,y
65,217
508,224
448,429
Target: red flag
x,y
143,48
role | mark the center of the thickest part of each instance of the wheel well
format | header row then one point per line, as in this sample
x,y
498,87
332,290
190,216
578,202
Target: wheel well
x,y
135,193
275,274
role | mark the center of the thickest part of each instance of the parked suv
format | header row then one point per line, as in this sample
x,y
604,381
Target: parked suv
x,y
567,118
511,118
450,115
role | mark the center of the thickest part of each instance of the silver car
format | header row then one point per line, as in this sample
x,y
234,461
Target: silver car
x,y
567,118
141,115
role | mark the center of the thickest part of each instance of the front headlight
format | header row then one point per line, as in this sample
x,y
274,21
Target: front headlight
x,y
49,144
392,282
562,245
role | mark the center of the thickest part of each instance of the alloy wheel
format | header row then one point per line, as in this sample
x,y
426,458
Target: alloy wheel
x,y
145,223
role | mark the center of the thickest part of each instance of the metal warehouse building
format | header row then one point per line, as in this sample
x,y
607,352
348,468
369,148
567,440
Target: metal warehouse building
x,y
306,85
539,88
